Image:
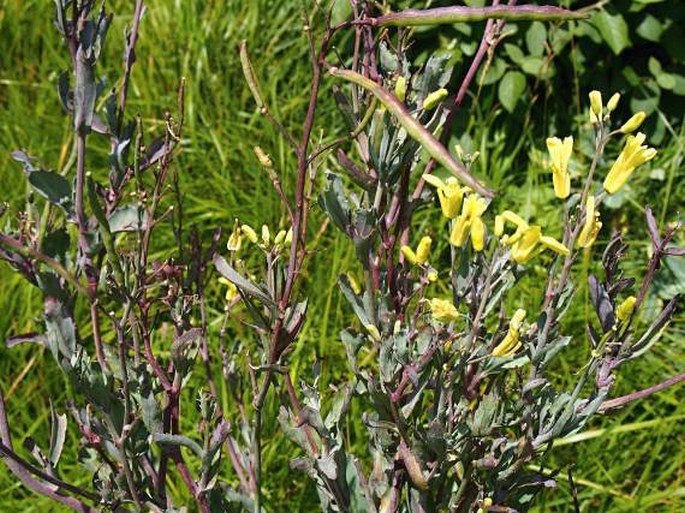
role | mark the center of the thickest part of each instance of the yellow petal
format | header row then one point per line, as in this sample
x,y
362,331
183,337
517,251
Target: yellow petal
x,y
478,234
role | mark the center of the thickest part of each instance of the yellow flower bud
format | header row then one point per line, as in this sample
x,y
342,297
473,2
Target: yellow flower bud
x,y
443,310
511,343
633,123
433,99
266,235
280,237
249,233
373,332
613,102
423,249
625,309
422,252
596,103
401,88
432,276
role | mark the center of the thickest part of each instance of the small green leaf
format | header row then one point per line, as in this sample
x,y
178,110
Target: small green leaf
x,y
515,53
654,66
511,88
535,38
614,30
650,29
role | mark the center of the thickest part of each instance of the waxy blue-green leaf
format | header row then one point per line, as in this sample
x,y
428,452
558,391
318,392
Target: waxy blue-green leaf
x,y
239,281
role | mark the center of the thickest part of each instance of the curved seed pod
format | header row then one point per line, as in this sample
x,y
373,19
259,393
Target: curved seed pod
x,y
416,130
456,14
250,76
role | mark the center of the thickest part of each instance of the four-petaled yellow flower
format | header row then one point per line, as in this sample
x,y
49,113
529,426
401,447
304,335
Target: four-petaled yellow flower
x,y
443,310
561,153
592,225
527,241
511,342
422,251
470,222
449,194
634,154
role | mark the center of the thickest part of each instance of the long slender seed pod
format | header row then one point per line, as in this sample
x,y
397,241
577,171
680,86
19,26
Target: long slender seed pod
x,y
456,14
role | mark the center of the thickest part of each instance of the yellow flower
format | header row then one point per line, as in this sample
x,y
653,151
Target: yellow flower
x,y
634,154
422,251
511,342
633,123
470,222
592,225
527,241
561,153
449,194
526,245
443,310
231,290
596,105
625,309
613,102
433,99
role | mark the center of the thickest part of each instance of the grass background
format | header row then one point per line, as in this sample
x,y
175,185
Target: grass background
x,y
630,461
